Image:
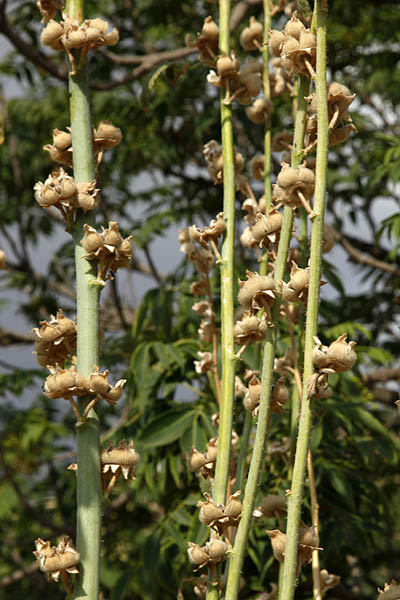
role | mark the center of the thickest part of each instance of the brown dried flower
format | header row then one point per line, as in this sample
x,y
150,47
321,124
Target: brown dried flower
x,y
294,187
109,248
120,460
64,383
48,8
251,37
57,560
257,292
56,340
260,111
206,41
249,329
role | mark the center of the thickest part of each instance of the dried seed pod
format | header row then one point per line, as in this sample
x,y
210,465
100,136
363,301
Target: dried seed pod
x,y
390,592
233,508
276,40
106,136
294,187
257,167
251,399
97,383
260,111
282,141
278,543
251,37
64,383
328,238
93,241
216,549
196,459
56,340
54,560
342,354
228,66
48,8
52,34
210,511
329,581
246,85
294,27
197,554
249,329
207,41
120,459
273,505
279,397
205,363
62,140
257,292
299,278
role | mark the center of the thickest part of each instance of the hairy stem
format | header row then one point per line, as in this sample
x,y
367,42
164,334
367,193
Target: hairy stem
x,y
89,495
267,96
237,558
295,497
227,265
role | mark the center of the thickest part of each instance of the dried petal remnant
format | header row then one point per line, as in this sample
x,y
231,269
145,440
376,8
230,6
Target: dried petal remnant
x,y
56,560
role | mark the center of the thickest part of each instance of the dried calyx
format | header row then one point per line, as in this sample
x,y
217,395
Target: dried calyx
x,y
257,292
219,516
279,396
57,560
296,46
69,35
108,248
340,122
212,152
56,340
308,541
260,111
206,41
105,137
61,191
118,460
294,187
241,85
338,357
67,383
251,37
49,8
249,329
213,552
390,592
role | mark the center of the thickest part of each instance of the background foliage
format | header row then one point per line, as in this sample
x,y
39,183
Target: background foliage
x,y
153,342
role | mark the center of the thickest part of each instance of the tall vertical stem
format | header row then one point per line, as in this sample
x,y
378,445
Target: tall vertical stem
x,y
267,96
227,341
237,558
295,497
89,495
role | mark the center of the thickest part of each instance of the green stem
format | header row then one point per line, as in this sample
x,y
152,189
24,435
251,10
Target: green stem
x,y
89,495
227,304
267,96
295,498
244,445
237,557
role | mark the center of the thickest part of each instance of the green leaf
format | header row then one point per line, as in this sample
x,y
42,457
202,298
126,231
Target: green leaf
x,y
119,589
150,81
167,427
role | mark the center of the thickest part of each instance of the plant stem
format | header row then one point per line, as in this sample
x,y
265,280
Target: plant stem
x,y
237,558
295,498
267,96
244,445
314,514
227,266
89,495
227,341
